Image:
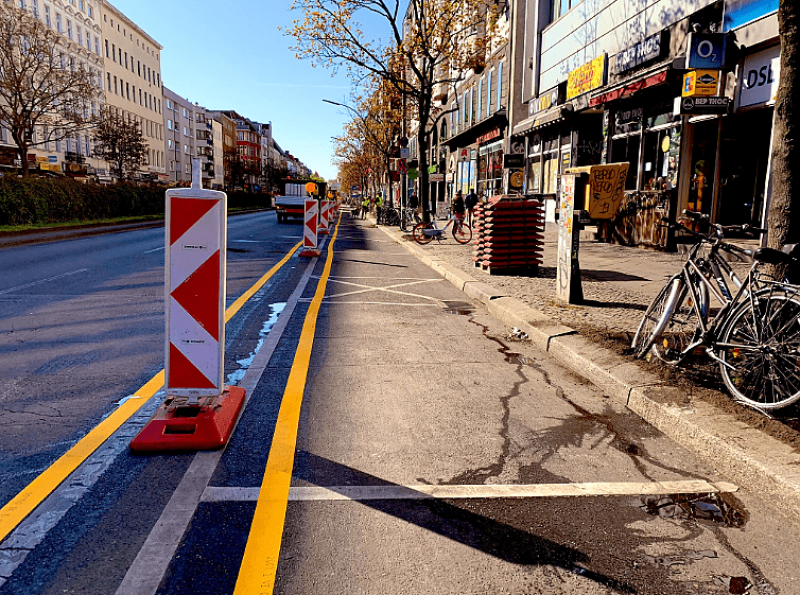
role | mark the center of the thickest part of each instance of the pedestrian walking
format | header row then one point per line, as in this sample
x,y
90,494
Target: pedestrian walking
x,y
471,202
458,205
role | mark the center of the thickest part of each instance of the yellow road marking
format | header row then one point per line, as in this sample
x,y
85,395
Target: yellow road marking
x,y
260,561
32,495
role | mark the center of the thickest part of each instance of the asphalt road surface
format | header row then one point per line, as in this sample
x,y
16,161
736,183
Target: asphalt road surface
x,y
396,439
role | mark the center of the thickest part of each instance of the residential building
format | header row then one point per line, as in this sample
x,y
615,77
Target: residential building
x,y
132,75
80,31
179,138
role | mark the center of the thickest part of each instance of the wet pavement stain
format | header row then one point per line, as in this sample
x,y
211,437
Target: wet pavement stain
x,y
720,509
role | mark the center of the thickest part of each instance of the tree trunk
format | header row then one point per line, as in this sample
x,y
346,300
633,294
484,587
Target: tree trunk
x,y
22,145
783,224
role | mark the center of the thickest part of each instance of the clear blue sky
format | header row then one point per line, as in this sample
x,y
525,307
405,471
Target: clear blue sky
x,y
230,55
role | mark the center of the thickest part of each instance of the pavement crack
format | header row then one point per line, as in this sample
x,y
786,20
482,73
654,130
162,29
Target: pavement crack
x,y
482,474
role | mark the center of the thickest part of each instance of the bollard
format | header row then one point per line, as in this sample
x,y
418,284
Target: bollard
x,y
310,228
199,412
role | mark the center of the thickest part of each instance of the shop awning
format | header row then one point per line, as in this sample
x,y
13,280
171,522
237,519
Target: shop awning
x,y
551,116
470,135
630,87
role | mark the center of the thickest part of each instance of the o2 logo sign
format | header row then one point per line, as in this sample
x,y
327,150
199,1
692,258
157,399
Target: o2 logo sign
x,y
707,50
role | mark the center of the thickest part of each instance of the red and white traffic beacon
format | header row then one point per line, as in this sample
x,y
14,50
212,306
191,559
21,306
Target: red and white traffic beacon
x,y
199,411
310,228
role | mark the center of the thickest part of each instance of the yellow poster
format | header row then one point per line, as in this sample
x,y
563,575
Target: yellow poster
x,y
583,79
606,187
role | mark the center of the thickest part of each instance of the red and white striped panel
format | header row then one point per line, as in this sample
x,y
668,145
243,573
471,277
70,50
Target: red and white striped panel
x,y
195,292
323,216
310,227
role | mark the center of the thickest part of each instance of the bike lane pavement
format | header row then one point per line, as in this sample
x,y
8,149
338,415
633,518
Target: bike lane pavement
x,y
434,453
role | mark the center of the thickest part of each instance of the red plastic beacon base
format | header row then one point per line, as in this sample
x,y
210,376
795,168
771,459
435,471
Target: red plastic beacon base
x,y
181,427
310,253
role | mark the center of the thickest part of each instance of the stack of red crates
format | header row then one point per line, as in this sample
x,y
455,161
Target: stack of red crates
x,y
509,233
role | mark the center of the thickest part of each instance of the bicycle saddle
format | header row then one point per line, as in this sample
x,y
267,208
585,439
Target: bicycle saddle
x,y
772,256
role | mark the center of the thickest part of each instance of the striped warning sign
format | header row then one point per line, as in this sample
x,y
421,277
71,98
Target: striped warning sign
x,y
310,228
195,292
324,206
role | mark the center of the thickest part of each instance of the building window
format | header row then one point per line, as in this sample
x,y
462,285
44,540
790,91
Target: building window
x,y
69,28
47,20
79,32
489,93
562,7
113,52
499,85
59,26
96,45
480,98
90,10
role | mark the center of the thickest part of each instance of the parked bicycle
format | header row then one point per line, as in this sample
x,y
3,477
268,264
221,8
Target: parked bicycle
x,y
754,336
423,233
388,216
409,219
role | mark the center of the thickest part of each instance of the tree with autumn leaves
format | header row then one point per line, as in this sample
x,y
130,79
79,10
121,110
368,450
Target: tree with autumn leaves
x,y
431,47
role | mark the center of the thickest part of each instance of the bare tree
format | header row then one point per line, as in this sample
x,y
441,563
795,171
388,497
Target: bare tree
x,y
120,142
784,209
47,84
431,47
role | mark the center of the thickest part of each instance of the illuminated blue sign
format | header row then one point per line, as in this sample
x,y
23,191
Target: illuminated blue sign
x,y
741,12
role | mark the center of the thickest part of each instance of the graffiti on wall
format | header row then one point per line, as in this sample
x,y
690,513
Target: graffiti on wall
x,y
639,220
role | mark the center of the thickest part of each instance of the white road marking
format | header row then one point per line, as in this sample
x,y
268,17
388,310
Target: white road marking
x,y
40,281
429,492
155,250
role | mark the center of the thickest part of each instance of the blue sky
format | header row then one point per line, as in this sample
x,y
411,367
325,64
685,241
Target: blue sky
x,y
230,55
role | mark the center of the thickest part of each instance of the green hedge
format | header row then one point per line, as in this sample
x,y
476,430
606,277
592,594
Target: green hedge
x,y
40,201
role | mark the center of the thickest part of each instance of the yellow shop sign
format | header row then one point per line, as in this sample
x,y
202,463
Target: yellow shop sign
x,y
588,77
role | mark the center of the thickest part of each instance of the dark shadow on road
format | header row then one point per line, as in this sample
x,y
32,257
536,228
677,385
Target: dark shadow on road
x,y
445,518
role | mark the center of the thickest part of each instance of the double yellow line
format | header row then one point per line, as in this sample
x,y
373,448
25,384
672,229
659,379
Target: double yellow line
x,y
260,561
24,503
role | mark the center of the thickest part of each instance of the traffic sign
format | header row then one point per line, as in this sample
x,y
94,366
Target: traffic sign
x,y
310,227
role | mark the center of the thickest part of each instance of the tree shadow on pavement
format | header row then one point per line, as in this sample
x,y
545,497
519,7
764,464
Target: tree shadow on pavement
x,y
445,518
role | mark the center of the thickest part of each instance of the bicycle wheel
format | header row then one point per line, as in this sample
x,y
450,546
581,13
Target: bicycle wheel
x,y
683,328
656,317
392,218
462,232
760,351
419,234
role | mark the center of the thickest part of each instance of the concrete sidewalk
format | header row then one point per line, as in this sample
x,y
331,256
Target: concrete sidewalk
x,y
759,454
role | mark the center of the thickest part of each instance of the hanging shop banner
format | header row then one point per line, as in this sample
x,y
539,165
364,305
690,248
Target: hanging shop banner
x,y
759,78
588,77
637,54
700,83
696,106
707,50
739,13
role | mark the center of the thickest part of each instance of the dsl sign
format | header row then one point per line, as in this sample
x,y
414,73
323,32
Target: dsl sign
x,y
760,77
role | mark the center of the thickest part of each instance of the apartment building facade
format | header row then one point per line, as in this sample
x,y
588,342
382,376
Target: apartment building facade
x,y
78,24
132,65
179,137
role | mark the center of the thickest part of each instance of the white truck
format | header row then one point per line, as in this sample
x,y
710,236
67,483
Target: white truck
x,y
290,203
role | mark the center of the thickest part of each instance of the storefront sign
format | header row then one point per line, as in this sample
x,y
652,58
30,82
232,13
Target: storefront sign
x,y
52,158
436,177
707,50
700,83
513,160
491,135
463,154
760,76
544,102
696,106
741,12
588,77
636,55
